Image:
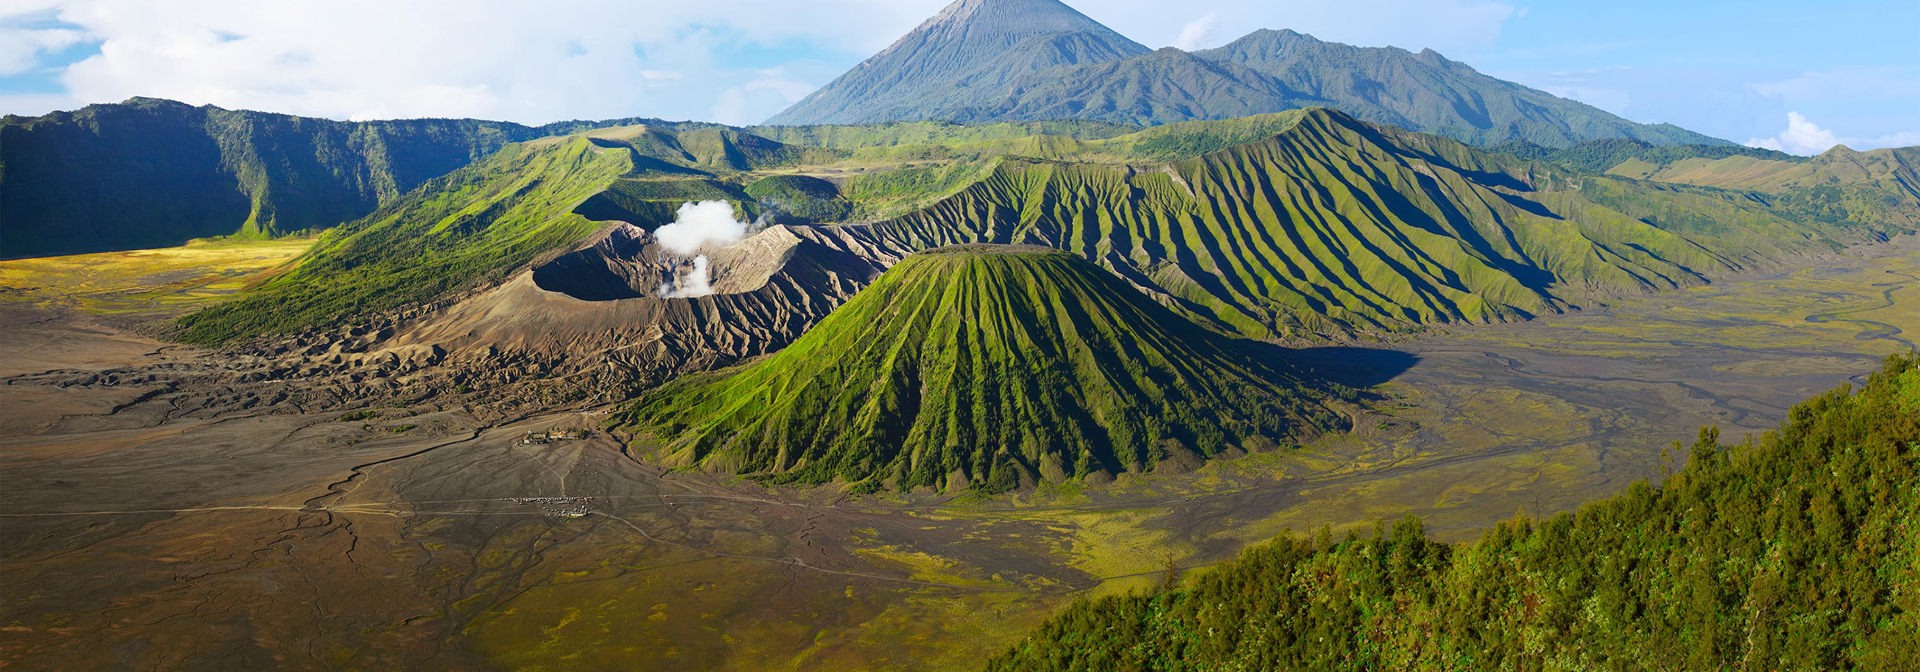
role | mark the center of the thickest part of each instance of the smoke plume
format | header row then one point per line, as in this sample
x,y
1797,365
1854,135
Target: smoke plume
x,y
699,225
696,227
694,283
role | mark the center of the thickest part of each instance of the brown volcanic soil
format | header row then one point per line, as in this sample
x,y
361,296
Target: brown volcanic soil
x,y
336,500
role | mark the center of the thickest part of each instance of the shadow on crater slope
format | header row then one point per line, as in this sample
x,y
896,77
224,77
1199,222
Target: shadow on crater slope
x,y
1355,367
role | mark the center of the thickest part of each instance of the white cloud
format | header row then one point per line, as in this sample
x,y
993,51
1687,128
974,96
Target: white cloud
x,y
1812,87
20,48
749,103
500,59
1453,26
1901,139
1802,137
566,59
1198,33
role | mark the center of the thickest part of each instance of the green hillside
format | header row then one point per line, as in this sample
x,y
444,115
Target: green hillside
x,y
985,368
1879,188
1300,224
151,173
480,223
154,173
1793,551
1600,156
1313,222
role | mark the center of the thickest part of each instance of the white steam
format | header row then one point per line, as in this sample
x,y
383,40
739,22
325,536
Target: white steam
x,y
699,226
1802,137
1198,33
693,284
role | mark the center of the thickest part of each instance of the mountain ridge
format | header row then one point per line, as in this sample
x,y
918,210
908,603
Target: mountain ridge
x,y
1300,225
975,46
150,172
1266,71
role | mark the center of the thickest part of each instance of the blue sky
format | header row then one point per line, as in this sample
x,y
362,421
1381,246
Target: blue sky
x,y
1844,71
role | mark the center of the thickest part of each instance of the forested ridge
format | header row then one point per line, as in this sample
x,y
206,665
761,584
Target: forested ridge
x,y
1795,550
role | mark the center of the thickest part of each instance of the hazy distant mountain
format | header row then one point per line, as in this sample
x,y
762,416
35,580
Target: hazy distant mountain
x,y
969,52
1429,93
1029,60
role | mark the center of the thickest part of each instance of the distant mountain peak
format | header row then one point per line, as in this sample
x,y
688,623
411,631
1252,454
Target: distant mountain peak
x,y
1035,16
988,23
1033,60
972,44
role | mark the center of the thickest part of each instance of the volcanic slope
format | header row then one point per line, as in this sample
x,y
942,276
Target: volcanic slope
x,y
1299,224
970,51
1315,222
1030,60
485,222
984,368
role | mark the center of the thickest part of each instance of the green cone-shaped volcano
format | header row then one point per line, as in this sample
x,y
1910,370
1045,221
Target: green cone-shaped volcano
x,y
984,367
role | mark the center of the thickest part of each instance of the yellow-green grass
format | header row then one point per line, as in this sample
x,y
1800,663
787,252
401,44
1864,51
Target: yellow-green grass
x,y
158,282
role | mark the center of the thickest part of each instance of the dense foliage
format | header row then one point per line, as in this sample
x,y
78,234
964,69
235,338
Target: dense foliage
x,y
479,223
1295,224
1599,156
1794,550
984,369
801,199
1322,223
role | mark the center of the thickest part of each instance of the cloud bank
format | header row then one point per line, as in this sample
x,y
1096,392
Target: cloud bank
x,y
733,61
1805,138
1802,137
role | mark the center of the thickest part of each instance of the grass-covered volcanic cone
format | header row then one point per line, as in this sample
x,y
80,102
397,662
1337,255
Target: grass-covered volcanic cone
x,y
984,367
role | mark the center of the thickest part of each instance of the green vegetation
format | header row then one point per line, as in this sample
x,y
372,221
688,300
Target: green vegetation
x,y
486,221
1600,156
1794,550
807,199
986,368
1297,224
1334,225
153,173
897,192
148,283
476,225
1843,187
